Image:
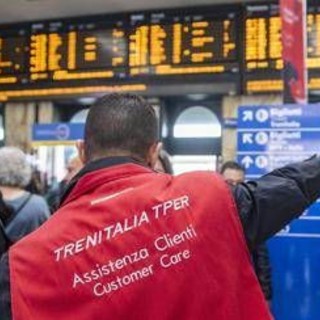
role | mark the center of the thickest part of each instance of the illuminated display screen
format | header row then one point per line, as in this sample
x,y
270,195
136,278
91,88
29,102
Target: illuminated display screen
x,y
263,48
313,31
71,56
13,57
52,52
183,43
110,50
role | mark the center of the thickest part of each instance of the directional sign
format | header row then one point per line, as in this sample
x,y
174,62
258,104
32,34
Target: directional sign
x,y
295,277
313,211
302,227
279,141
284,117
257,164
270,137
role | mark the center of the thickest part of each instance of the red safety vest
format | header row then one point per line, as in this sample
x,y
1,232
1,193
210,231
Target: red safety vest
x,y
129,243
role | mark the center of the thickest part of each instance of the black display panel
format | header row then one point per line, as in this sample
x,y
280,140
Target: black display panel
x,y
48,53
13,56
78,51
84,55
199,41
126,48
262,47
313,31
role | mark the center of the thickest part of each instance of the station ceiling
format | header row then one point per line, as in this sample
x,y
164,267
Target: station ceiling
x,y
27,10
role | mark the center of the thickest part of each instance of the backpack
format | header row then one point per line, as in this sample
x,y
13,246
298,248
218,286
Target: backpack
x,y
5,241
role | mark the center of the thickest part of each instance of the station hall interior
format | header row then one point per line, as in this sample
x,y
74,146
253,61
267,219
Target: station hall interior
x,y
195,62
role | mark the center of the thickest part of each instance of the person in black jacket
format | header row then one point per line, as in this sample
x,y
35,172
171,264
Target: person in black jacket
x,y
234,174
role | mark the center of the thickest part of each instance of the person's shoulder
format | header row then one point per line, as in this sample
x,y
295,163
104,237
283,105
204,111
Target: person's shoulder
x,y
37,199
39,202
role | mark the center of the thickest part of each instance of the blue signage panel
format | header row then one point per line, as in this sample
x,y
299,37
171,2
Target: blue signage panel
x,y
295,277
257,164
285,117
270,137
57,132
276,141
304,227
313,211
230,123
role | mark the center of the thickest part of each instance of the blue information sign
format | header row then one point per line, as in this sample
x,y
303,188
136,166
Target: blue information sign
x,y
284,117
279,141
270,137
257,164
57,132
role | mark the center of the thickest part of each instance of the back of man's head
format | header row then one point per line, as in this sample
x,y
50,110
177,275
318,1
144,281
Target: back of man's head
x,y
231,165
120,124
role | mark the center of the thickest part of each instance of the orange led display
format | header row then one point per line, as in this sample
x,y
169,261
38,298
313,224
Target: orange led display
x,y
160,44
263,48
203,43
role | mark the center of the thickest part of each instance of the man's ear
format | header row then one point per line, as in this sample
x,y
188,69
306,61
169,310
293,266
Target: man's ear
x,y
81,153
153,154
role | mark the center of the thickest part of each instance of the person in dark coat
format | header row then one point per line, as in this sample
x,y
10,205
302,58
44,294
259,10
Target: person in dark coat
x,y
234,174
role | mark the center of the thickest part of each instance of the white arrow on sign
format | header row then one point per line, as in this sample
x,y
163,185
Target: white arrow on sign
x,y
247,138
247,162
247,115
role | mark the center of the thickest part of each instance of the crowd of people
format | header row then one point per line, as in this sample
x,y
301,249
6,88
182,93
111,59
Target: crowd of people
x,y
120,224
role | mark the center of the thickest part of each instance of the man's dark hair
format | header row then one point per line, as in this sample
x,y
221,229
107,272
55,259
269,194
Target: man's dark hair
x,y
231,165
120,124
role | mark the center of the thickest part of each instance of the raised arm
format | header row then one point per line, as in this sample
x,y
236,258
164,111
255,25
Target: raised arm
x,y
266,205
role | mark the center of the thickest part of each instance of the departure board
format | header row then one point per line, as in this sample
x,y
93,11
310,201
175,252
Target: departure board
x,y
183,42
313,31
262,45
63,52
13,56
92,50
133,50
262,48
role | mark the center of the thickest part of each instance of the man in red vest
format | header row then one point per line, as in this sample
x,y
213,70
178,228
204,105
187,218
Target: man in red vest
x,y
131,243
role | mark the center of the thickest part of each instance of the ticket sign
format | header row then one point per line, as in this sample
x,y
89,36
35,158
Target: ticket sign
x,y
270,137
